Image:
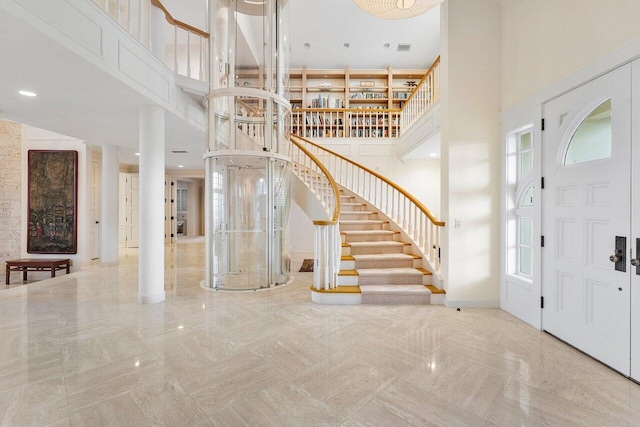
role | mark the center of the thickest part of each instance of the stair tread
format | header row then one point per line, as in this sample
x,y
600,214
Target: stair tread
x,y
390,256
338,290
347,273
362,221
424,271
435,290
378,243
406,271
356,232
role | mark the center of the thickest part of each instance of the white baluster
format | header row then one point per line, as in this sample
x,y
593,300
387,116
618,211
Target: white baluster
x,y
188,53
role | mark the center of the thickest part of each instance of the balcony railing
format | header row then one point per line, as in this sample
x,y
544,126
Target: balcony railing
x,y
426,94
345,123
186,50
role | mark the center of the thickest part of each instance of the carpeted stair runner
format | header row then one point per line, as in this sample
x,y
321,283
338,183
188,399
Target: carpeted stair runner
x,y
385,273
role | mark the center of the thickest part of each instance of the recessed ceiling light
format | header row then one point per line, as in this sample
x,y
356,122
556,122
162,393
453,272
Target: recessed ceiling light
x,y
180,166
307,45
137,154
27,93
254,2
346,45
433,155
386,45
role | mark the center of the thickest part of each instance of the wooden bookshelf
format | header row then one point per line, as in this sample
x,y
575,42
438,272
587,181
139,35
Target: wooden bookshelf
x,y
345,88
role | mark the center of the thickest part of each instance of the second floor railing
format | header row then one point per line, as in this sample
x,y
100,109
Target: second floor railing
x,y
426,94
345,123
186,47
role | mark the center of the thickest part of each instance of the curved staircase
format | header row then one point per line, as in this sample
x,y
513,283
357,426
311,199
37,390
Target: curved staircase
x,y
376,263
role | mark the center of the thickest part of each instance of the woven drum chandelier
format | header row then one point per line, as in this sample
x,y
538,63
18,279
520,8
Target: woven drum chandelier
x,y
396,9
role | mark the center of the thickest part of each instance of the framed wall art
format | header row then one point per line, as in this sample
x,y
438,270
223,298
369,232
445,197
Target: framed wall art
x,y
52,202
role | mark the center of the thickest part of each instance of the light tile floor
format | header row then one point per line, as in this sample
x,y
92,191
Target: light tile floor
x,y
79,350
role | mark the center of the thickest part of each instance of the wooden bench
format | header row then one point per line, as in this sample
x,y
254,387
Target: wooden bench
x,y
32,264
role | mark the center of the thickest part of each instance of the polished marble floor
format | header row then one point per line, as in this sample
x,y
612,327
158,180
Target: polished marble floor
x,y
79,350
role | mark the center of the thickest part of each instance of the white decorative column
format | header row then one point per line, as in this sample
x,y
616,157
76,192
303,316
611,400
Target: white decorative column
x,y
157,33
109,206
151,251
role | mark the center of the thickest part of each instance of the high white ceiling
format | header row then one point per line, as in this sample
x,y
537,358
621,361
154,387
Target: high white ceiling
x,y
328,24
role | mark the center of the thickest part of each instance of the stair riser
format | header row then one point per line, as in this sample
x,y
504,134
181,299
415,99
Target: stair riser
x,y
347,265
367,237
347,280
344,207
391,280
395,299
409,263
357,215
361,227
372,250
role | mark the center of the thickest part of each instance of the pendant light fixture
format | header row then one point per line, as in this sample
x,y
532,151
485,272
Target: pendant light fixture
x,y
396,9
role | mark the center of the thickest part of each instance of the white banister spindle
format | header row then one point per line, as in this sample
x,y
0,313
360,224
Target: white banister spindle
x,y
175,49
118,12
129,20
188,53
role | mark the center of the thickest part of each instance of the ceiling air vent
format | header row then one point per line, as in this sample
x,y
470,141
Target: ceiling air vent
x,y
179,151
404,47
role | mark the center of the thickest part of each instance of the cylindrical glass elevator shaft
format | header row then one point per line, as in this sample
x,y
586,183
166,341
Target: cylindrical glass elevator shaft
x,y
246,159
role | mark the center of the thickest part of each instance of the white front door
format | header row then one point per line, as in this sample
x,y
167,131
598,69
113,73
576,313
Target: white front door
x,y
635,225
586,204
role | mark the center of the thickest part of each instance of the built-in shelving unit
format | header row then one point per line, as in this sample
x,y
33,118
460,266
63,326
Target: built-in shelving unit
x,y
350,103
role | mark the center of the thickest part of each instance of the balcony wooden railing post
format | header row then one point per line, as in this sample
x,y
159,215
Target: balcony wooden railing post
x,y
393,201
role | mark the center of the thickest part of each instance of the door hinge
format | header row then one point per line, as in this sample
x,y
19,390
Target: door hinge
x,y
542,241
542,125
541,302
542,183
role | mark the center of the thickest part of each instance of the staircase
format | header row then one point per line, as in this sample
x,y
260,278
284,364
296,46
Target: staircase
x,y
376,263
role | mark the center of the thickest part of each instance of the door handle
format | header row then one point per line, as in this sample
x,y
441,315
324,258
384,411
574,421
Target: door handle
x,y
635,262
618,257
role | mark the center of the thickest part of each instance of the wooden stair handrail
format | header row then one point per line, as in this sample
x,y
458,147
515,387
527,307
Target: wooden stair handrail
x,y
401,190
424,78
253,112
171,20
334,185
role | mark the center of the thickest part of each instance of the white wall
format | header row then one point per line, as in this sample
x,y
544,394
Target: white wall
x,y
470,97
301,232
39,139
420,177
546,40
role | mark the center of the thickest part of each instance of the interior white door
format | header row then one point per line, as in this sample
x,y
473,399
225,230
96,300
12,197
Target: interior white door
x,y
94,213
133,210
586,204
122,210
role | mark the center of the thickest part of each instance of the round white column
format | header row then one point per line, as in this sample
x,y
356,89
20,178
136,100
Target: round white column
x,y
151,250
157,33
109,205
